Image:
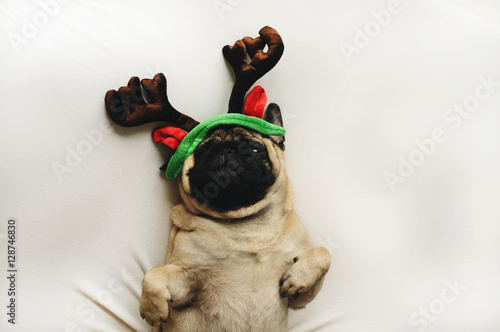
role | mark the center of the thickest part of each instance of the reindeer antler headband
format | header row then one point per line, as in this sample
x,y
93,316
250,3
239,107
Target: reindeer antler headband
x,y
128,108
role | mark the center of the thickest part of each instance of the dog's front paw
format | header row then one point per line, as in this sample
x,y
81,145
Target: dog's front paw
x,y
155,297
306,271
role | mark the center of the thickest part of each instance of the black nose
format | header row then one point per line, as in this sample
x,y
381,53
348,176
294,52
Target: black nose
x,y
227,154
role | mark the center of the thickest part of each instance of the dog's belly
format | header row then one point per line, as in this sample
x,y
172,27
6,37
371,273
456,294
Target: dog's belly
x,y
240,293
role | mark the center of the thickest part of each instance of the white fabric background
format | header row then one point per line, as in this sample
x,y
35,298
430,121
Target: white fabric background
x,y
87,236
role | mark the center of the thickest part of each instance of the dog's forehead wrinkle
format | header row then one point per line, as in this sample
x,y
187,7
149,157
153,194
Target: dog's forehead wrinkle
x,y
232,134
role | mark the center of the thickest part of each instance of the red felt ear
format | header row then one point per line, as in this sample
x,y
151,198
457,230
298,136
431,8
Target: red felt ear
x,y
170,136
256,102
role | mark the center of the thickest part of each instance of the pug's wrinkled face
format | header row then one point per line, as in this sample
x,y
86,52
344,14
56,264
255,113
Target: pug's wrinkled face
x,y
232,169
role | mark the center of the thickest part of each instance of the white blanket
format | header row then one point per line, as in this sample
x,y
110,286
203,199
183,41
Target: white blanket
x,y
392,111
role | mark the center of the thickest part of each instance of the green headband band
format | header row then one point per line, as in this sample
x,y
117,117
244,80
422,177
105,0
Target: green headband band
x,y
195,136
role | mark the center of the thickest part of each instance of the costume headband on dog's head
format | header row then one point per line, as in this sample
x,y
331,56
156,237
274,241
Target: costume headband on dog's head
x,y
127,106
192,139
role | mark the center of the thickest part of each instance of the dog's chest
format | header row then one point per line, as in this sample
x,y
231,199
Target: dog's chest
x,y
243,289
239,268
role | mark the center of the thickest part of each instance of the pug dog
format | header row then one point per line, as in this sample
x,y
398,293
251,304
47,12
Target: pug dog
x,y
238,257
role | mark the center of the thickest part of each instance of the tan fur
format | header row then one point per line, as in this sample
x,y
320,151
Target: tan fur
x,y
223,270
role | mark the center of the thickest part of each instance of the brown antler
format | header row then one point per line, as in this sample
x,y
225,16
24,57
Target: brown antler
x,y
248,73
128,108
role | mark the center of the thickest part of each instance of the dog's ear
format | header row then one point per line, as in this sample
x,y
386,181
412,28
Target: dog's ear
x,y
273,115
